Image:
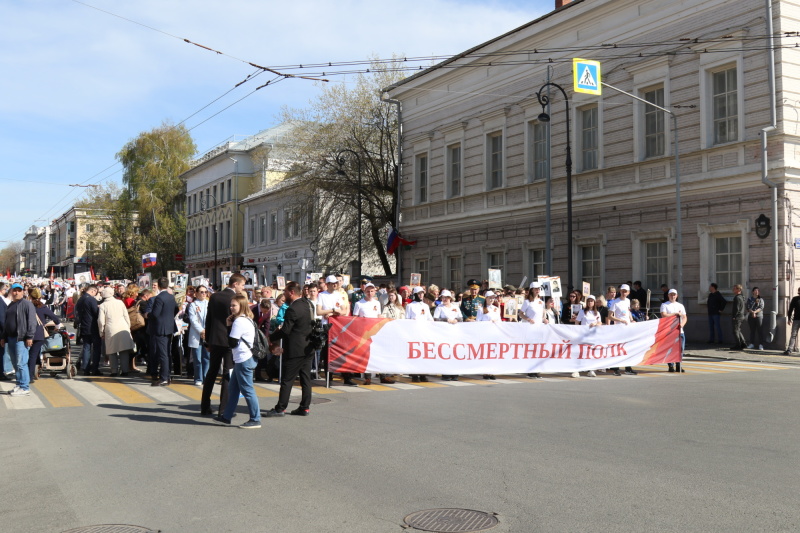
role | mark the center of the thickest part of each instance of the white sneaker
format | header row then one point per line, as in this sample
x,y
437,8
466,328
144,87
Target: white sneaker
x,y
750,346
15,389
591,374
198,383
20,392
576,374
761,347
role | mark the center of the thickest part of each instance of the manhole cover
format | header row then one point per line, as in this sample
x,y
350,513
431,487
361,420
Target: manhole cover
x,y
451,520
112,528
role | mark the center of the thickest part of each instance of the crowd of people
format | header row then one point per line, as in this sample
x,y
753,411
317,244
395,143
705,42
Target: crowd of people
x,y
200,334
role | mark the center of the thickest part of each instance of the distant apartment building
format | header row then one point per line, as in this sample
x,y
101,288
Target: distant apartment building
x,y
76,239
478,160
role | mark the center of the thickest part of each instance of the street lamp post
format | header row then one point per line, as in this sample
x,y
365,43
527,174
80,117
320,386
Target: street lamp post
x,y
544,100
340,160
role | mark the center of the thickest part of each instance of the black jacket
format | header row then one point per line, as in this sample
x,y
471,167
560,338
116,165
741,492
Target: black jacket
x,y
86,311
219,309
716,303
794,309
296,330
3,307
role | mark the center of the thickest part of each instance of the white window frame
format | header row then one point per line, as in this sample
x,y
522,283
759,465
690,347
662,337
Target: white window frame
x,y
252,231
273,226
643,110
639,239
707,233
489,169
577,262
530,155
447,281
421,174
493,249
579,137
709,64
449,167
262,229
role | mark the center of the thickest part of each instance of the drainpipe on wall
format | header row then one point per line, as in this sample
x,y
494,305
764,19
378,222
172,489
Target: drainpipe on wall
x,y
773,323
398,180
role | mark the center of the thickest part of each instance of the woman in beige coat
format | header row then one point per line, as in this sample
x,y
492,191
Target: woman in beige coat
x,y
115,330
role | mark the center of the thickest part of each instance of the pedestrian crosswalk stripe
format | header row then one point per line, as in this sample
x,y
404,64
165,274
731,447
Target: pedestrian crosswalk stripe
x,y
89,392
57,394
192,392
125,393
31,401
377,387
160,394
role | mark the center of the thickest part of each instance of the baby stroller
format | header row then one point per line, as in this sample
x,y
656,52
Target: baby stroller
x,y
56,355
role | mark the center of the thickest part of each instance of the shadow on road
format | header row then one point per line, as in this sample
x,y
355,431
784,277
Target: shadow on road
x,y
151,414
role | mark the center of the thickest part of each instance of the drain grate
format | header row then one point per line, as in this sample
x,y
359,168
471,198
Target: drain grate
x,y
112,528
451,520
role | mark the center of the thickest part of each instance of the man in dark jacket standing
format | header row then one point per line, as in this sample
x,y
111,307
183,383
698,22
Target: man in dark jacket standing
x,y
86,311
739,315
716,303
219,309
19,329
161,327
792,316
297,352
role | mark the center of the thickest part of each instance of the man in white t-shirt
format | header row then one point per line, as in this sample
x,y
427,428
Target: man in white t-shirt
x,y
332,303
673,308
534,309
619,312
368,306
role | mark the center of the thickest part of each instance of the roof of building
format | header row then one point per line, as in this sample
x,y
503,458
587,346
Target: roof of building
x,y
275,135
478,47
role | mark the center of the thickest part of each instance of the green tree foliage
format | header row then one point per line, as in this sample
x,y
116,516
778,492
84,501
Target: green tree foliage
x,y
152,165
349,118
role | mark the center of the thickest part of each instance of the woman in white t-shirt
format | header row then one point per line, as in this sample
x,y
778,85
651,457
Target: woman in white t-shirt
x,y
448,312
490,312
241,338
588,316
418,310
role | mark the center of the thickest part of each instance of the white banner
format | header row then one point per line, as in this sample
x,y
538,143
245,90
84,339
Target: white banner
x,y
416,347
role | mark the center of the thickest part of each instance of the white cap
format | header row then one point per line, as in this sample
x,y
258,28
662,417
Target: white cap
x,y
446,293
417,289
590,297
672,291
535,285
331,279
368,285
624,287
489,293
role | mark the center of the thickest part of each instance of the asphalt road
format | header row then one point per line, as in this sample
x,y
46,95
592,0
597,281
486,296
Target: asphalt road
x,y
692,452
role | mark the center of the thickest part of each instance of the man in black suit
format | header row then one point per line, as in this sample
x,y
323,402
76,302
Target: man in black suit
x,y
219,309
161,327
297,352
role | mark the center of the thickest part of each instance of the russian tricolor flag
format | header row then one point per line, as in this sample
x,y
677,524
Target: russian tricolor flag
x,y
148,260
395,241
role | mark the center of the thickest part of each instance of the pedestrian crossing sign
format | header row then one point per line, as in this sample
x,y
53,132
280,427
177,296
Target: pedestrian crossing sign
x,y
586,75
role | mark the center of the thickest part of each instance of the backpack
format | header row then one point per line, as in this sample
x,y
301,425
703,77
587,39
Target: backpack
x,y
260,347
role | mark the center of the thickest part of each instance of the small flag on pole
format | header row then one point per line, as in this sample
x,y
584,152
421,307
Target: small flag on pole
x,y
395,241
148,260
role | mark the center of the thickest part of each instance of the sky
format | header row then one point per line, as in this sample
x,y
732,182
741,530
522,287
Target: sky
x,y
79,79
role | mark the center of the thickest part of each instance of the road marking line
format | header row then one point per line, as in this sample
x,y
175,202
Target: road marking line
x,y
317,389
124,392
692,369
276,390
56,394
264,393
734,364
405,386
376,387
190,391
89,392
458,383
346,388
159,394
31,401
472,381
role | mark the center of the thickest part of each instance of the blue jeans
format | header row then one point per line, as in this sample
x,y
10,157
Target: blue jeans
x,y
242,382
19,358
90,353
713,324
202,360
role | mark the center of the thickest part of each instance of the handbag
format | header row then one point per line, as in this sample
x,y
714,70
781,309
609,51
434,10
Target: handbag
x,y
137,320
54,343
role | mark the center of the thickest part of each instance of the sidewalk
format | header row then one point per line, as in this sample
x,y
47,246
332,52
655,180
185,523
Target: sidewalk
x,y
722,351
